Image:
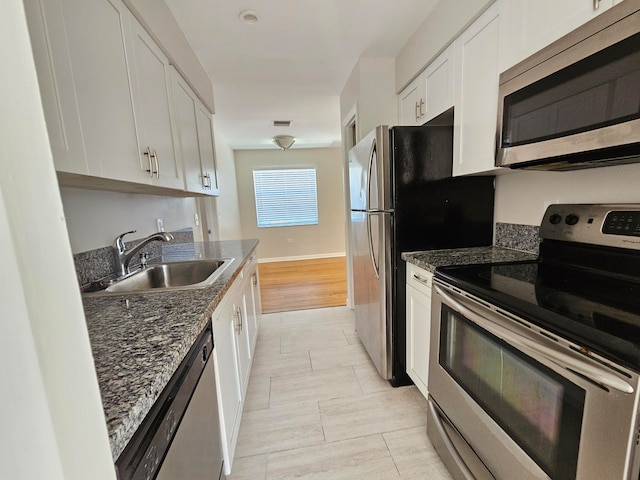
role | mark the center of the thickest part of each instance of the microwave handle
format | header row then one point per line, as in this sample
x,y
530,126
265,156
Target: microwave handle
x,y
533,347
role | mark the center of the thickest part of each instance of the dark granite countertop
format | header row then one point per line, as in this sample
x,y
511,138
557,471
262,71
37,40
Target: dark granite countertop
x,y
431,259
137,347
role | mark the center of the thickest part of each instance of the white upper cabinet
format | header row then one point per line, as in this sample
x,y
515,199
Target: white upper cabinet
x,y
107,97
440,84
534,24
476,94
152,101
431,93
55,77
195,145
410,100
207,149
96,31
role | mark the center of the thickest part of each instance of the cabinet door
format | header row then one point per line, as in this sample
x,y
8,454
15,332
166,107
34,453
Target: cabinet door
x,y
96,32
418,326
439,83
207,149
242,342
185,108
55,77
153,110
252,296
410,102
476,98
534,24
228,379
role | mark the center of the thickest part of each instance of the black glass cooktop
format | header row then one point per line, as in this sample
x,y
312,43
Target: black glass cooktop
x,y
595,309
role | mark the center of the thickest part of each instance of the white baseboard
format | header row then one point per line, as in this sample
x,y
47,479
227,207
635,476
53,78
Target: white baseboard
x,y
301,257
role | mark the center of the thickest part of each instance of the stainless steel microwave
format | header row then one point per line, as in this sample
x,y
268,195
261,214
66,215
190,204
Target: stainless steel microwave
x,y
576,103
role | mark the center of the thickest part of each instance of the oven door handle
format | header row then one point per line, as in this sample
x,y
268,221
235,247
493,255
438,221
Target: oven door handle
x,y
533,347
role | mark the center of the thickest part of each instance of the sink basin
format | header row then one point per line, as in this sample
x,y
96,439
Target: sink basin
x,y
171,276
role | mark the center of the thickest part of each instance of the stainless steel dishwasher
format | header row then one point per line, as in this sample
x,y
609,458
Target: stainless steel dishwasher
x,y
180,437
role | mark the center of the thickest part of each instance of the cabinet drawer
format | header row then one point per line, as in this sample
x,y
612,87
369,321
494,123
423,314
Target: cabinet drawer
x,y
419,278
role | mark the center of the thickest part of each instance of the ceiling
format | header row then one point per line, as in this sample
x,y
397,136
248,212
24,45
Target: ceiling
x,y
293,63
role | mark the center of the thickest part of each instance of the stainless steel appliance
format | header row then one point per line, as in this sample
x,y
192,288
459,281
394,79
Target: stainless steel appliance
x,y
180,437
576,103
403,199
534,366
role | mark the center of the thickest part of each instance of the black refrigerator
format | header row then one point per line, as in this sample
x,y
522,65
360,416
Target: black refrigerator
x,y
404,199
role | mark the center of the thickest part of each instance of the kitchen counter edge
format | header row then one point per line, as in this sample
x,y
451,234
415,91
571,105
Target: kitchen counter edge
x,y
429,260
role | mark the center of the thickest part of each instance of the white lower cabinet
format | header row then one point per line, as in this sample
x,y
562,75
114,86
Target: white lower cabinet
x,y
228,378
418,325
235,327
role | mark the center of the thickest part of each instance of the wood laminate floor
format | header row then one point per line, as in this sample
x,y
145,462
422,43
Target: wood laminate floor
x,y
316,408
303,284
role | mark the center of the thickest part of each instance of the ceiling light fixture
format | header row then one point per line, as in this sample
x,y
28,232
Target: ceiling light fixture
x,y
284,141
249,16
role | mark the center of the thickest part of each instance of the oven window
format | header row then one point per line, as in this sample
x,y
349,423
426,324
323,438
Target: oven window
x,y
598,91
539,409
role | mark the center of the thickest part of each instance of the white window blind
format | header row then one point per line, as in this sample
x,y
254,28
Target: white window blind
x,y
286,197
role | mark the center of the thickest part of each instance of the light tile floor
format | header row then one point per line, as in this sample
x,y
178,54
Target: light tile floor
x,y
317,409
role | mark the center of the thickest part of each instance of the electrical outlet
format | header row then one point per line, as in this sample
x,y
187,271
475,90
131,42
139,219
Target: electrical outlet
x,y
289,240
196,218
160,224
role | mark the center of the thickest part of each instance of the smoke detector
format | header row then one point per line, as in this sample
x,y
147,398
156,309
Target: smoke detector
x,y
249,16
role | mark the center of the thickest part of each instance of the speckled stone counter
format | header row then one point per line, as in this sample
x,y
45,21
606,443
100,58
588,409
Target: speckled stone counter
x,y
431,259
138,347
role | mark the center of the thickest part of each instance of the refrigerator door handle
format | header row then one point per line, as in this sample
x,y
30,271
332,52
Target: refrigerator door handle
x,y
370,179
374,264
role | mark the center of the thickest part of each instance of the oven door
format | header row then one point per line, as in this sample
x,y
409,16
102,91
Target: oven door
x,y
508,400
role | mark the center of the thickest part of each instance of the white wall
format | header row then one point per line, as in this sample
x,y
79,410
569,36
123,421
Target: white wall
x,y
95,218
370,88
52,419
523,196
326,238
226,205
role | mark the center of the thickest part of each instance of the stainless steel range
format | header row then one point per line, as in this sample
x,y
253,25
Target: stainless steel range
x,y
534,367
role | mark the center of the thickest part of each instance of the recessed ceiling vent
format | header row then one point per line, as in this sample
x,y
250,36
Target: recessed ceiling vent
x,y
282,123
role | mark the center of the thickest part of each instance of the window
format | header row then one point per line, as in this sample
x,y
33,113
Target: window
x,y
286,198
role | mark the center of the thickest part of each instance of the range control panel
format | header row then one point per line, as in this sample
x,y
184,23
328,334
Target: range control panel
x,y
608,225
622,223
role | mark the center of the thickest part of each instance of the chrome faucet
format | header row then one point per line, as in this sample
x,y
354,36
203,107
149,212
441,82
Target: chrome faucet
x,y
124,255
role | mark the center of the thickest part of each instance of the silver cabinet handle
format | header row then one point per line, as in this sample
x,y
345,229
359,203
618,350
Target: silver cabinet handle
x,y
157,163
422,107
149,156
239,311
421,279
596,4
534,347
236,320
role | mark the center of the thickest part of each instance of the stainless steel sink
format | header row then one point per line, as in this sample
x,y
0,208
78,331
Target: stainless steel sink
x,y
170,276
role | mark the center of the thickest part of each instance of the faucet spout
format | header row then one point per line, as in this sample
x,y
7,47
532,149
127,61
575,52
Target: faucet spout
x,y
124,254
